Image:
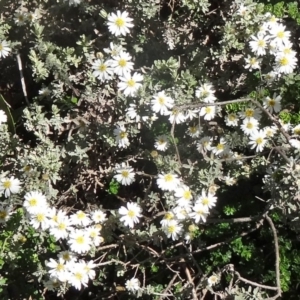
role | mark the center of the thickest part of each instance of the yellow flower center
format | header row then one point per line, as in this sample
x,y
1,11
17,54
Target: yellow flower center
x,y
297,131
123,135
187,195
193,129
168,178
27,168
252,61
280,34
205,201
168,216
60,267
161,141
93,234
120,22
66,257
231,117
220,147
3,214
80,240
171,228
208,110
78,276
271,102
40,217
81,215
261,43
122,63
61,226
102,68
249,125
161,100
284,61
259,141
125,174
249,113
131,213
7,184
32,202
131,83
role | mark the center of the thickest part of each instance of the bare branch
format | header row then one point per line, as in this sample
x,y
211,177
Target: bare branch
x,y
277,257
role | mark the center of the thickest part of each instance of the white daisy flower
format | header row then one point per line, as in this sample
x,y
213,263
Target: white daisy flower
x,y
130,84
208,112
31,17
182,213
285,63
78,276
296,130
98,216
207,200
20,18
94,234
121,137
161,143
184,195
168,182
206,93
131,214
212,280
194,131
5,212
252,63
132,285
200,212
259,45
88,267
3,117
270,131
102,69
34,202
131,112
231,119
113,50
121,64
79,241
40,219
61,228
53,284
173,229
250,112
176,116
192,114
258,140
295,143
221,146
249,125
204,144
270,77
167,218
80,218
125,174
58,269
9,186
119,24
4,49
161,103
279,34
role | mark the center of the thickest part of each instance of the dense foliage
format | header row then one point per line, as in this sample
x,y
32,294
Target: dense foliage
x,y
149,149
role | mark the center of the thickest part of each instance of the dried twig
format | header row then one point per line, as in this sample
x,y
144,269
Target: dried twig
x,y
277,257
19,61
